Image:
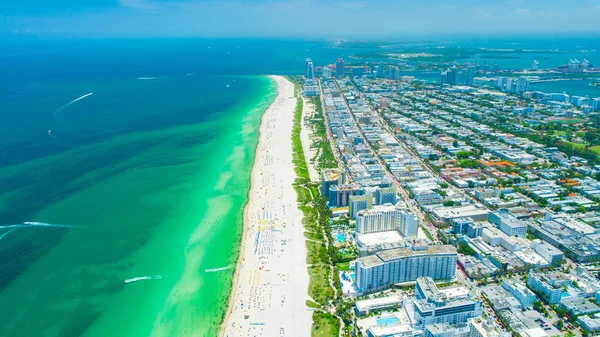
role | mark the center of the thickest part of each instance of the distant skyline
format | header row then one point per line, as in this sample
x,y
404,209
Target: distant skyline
x,y
296,18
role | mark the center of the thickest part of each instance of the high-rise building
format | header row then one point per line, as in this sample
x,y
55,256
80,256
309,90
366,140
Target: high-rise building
x,y
452,73
339,68
469,75
386,196
310,72
339,195
326,73
380,70
330,177
406,222
500,82
358,203
508,84
596,104
378,272
522,85
444,77
394,73
449,76
377,219
449,305
559,97
580,101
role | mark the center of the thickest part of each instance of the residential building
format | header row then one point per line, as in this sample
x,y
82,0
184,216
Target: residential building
x,y
358,203
467,226
310,72
377,219
394,73
596,104
447,330
577,306
386,196
486,328
520,291
590,324
339,68
407,223
549,285
330,177
378,272
339,195
380,70
439,306
522,85
469,75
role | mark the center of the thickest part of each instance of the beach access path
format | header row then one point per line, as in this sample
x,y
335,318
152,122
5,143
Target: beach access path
x,y
271,280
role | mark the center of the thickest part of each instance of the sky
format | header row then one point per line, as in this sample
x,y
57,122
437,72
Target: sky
x,y
296,18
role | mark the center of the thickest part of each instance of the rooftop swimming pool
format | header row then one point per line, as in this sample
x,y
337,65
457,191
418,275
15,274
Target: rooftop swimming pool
x,y
388,320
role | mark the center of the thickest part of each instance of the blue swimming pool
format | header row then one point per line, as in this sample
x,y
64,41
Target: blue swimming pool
x,y
388,320
341,237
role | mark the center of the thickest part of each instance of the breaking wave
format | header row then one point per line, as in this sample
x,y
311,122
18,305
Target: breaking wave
x,y
214,270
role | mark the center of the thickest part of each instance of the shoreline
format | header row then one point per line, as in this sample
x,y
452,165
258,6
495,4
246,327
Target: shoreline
x,y
252,308
240,258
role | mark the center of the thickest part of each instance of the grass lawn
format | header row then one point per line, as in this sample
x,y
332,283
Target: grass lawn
x,y
578,146
595,149
343,266
318,287
324,325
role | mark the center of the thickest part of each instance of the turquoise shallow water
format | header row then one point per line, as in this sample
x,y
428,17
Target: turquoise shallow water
x,y
158,205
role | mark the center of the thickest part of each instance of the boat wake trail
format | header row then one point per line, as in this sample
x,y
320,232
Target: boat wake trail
x,y
214,270
58,112
38,224
143,278
6,233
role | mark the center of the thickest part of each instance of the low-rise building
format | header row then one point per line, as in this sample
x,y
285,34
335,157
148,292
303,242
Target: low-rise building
x,y
450,305
366,307
590,324
577,306
520,291
508,223
486,328
447,330
549,286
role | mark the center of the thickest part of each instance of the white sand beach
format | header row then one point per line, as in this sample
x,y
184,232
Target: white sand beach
x,y
271,282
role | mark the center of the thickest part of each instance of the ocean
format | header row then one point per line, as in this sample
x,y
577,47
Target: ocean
x,y
124,171
127,186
